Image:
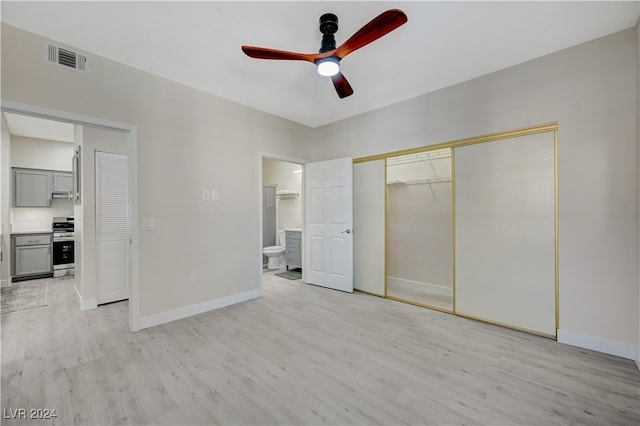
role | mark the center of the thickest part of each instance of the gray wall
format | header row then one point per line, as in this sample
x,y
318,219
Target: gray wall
x,y
187,141
638,136
590,90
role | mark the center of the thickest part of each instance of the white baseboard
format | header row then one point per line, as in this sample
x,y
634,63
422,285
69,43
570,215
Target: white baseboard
x,y
416,285
198,308
85,305
597,344
5,283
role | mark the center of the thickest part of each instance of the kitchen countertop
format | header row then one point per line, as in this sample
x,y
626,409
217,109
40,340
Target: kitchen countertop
x,y
43,231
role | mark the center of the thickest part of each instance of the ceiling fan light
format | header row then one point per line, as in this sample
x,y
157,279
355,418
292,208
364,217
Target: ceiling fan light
x,y
328,67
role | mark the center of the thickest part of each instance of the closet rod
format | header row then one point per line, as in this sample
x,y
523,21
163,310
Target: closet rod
x,y
418,181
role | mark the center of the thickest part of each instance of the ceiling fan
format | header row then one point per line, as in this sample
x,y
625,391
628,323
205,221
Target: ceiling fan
x,y
329,57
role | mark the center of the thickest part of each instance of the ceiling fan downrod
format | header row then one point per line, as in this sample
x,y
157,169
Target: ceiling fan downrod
x,y
328,27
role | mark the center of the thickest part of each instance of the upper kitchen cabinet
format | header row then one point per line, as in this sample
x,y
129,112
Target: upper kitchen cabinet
x,y
31,188
36,188
62,182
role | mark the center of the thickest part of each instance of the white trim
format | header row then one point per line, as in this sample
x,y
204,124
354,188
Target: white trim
x,y
134,274
198,308
57,115
5,283
261,156
132,153
418,286
85,305
597,344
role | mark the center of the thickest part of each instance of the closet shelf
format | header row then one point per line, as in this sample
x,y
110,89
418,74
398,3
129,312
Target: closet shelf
x,y
419,181
418,158
286,195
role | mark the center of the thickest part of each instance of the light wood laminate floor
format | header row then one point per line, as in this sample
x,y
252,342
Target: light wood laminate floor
x,y
302,355
424,297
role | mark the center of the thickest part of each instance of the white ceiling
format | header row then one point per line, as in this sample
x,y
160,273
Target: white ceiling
x,y
198,44
32,127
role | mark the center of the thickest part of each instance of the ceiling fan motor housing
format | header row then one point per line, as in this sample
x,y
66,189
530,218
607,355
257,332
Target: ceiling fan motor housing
x,y
328,27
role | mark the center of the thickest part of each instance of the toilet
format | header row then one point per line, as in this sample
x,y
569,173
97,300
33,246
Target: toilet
x,y
275,254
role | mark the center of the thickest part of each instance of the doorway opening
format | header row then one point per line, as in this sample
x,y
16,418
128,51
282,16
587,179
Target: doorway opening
x,y
85,250
281,189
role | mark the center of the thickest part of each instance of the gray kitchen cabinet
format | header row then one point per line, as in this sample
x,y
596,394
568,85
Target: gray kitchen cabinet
x,y
293,251
62,182
32,255
31,188
36,188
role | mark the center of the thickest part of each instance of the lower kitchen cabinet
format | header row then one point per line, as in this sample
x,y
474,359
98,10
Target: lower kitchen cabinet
x,y
32,256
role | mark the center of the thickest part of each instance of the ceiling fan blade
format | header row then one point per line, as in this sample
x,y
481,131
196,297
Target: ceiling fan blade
x,y
376,28
342,85
264,53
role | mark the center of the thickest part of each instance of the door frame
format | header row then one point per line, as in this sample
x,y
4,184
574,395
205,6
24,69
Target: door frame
x,y
278,157
132,149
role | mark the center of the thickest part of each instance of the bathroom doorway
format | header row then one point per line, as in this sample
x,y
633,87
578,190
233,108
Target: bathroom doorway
x,y
281,214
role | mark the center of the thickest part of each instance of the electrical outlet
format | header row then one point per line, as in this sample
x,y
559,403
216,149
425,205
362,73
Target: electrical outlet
x,y
215,195
149,223
206,195
194,277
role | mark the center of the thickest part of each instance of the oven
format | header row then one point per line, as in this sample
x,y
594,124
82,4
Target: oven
x,y
63,247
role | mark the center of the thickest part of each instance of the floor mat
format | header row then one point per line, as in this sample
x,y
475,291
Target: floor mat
x,y
290,275
25,295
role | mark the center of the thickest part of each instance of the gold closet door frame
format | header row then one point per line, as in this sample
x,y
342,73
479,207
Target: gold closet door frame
x,y
509,134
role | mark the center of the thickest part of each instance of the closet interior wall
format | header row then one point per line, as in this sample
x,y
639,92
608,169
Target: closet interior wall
x,y
419,229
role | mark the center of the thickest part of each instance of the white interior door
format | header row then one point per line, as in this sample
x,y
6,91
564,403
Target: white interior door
x,y
112,227
328,223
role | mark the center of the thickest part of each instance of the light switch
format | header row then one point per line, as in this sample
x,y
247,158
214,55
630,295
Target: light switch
x,y
149,223
215,195
206,195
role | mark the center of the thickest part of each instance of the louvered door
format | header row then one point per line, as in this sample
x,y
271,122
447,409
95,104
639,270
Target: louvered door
x,y
112,227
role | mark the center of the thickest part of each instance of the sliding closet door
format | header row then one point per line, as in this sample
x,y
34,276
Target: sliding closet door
x,y
505,232
368,226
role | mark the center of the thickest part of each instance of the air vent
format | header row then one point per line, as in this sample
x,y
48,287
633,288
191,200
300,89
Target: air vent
x,y
65,57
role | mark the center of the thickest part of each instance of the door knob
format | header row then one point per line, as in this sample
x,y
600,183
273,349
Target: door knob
x,y
346,231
